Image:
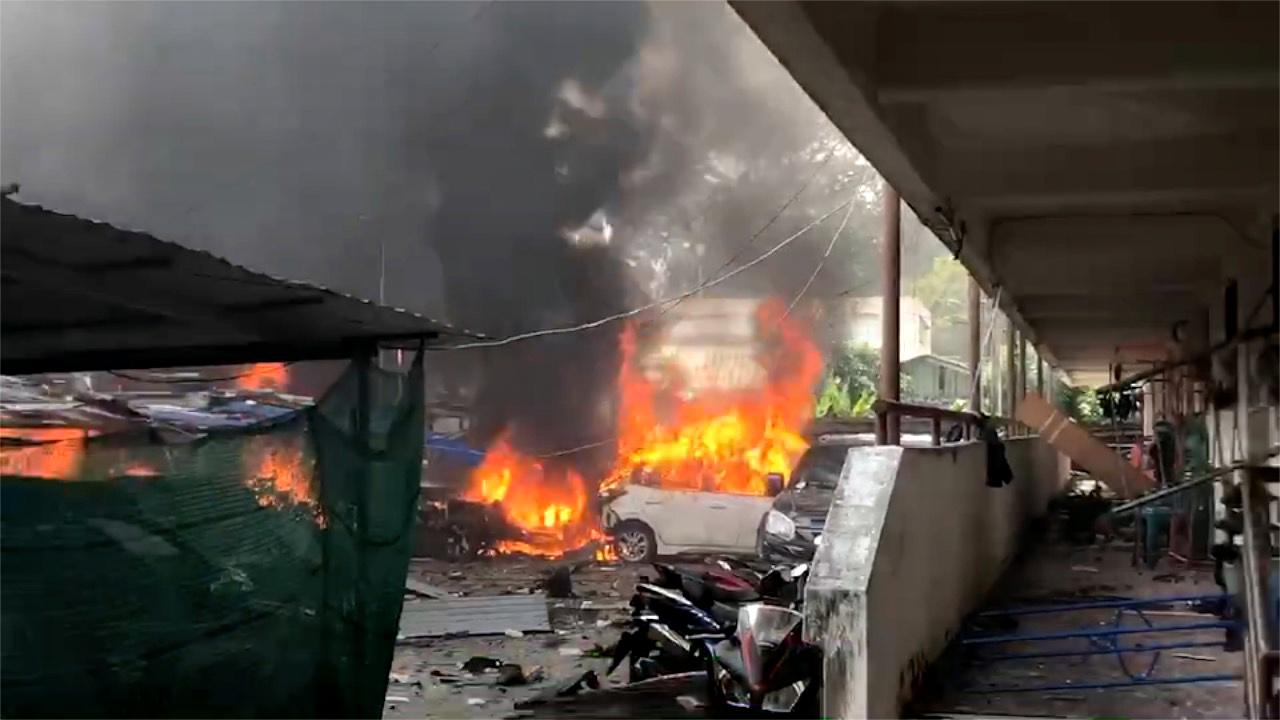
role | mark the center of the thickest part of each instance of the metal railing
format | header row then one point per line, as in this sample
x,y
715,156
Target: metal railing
x,y
970,422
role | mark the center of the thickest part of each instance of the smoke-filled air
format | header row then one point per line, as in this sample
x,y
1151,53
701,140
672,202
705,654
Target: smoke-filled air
x,y
507,167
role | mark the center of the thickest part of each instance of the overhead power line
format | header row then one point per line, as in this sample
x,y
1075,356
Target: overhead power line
x,y
657,303
823,260
834,238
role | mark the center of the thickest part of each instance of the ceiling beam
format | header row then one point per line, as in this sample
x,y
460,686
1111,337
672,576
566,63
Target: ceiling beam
x,y
1215,165
929,49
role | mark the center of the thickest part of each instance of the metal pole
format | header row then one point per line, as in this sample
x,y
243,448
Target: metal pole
x,y
1039,376
890,316
995,690
1175,489
1256,554
975,346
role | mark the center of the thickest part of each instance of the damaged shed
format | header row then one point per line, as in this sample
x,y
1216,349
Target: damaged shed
x,y
254,570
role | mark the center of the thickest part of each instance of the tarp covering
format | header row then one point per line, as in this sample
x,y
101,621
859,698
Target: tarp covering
x,y
250,573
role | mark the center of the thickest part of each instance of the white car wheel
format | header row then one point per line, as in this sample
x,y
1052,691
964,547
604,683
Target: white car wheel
x,y
634,542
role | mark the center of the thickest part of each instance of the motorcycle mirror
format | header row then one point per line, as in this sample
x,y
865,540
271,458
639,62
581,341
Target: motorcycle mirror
x,y
773,483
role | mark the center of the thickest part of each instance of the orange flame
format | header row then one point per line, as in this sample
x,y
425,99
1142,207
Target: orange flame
x,y
281,476
59,456
136,469
548,504
723,441
264,376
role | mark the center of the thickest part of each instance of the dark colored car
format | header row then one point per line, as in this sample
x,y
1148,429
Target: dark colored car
x,y
792,529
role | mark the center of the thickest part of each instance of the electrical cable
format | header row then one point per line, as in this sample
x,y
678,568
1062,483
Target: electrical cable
x,y
830,246
655,304
769,223
823,260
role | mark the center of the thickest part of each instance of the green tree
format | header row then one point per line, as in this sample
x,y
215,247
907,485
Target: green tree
x,y
849,388
1079,404
944,289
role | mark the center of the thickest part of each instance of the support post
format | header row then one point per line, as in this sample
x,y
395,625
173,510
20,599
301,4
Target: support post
x,y
1039,375
1011,368
1022,370
997,368
975,346
891,271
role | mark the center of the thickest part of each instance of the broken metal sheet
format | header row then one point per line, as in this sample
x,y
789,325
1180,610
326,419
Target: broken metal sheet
x,y
474,616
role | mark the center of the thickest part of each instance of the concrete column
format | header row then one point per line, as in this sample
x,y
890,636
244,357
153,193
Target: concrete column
x,y
1022,369
1148,410
890,321
997,371
975,346
1011,368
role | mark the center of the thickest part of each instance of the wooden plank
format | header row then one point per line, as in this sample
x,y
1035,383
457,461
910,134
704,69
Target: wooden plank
x,y
1103,463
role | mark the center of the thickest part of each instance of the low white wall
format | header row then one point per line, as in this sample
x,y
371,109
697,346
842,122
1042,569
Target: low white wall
x,y
912,545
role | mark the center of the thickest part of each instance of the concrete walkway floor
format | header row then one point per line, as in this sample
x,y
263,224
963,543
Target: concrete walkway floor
x,y
1051,573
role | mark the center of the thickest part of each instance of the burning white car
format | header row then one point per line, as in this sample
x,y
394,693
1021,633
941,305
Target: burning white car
x,y
647,521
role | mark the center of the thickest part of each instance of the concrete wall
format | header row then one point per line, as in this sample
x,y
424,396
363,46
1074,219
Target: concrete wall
x,y
913,544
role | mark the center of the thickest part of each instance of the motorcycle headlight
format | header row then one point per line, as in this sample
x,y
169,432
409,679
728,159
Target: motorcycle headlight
x,y
775,523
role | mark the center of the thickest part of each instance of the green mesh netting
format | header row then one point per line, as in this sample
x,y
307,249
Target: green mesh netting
x,y
209,589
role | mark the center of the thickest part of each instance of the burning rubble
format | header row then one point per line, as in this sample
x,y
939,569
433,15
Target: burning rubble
x,y
719,441
111,436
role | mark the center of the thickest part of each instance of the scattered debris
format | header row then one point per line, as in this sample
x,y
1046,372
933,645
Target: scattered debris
x,y
511,674
397,698
512,633
597,605
1173,613
418,587
569,651
1084,568
455,574
475,701
1189,656
588,679
559,583
401,679
598,651
479,664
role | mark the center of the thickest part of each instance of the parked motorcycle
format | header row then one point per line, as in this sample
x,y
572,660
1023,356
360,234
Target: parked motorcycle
x,y
686,610
666,633
765,669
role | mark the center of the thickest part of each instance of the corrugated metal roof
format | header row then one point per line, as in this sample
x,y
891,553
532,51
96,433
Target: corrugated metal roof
x,y
475,616
84,295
